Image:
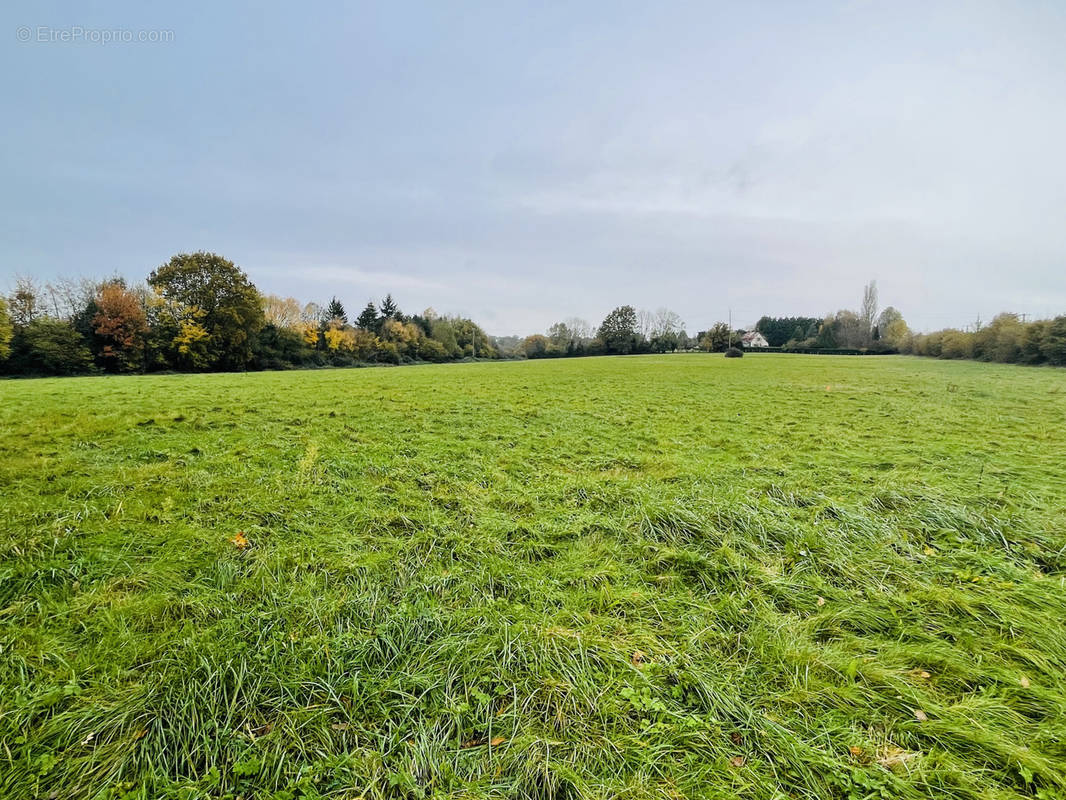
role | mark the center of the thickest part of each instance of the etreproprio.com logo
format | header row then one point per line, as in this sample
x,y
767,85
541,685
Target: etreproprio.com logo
x,y
73,34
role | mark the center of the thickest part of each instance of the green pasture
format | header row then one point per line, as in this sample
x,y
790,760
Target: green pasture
x,y
664,577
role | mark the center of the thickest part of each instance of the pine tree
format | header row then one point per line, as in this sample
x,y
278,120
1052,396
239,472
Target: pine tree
x,y
389,308
368,318
336,311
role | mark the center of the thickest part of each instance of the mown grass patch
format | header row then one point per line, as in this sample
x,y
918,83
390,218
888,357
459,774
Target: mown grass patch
x,y
677,576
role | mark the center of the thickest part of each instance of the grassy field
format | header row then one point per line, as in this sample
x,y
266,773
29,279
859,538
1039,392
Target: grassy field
x,y
669,577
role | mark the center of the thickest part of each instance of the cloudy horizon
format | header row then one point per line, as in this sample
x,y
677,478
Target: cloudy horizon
x,y
521,165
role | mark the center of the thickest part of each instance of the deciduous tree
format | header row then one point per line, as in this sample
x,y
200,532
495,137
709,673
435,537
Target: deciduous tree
x,y
66,298
232,312
868,315
312,314
850,330
25,302
619,330
535,346
645,324
666,321
282,312
715,340
119,324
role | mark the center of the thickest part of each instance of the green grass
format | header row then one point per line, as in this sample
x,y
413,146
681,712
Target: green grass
x,y
648,577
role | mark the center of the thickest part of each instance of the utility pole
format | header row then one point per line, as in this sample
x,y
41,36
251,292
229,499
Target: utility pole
x,y
730,328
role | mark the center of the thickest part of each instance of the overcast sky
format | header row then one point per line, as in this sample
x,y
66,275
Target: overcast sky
x,y
526,162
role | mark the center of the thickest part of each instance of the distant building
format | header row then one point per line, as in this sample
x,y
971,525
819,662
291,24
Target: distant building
x,y
754,339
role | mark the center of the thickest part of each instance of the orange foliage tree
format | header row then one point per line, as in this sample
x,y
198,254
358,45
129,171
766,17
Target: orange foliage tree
x,y
119,324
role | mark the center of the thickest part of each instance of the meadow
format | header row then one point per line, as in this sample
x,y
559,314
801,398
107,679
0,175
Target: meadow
x,y
681,576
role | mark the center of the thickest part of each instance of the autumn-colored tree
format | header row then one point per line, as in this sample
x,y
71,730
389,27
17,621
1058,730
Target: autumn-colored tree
x,y
119,325
282,312
176,338
405,336
1001,339
473,341
311,334
956,344
392,330
339,338
364,345
192,343
896,333
535,346
890,329
231,309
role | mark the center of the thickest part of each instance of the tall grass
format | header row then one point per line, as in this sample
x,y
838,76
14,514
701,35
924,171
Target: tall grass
x,y
656,577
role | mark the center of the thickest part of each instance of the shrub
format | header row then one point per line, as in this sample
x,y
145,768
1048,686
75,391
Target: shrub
x,y
956,344
734,352
52,347
432,350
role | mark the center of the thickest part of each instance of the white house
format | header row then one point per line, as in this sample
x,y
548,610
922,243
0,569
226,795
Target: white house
x,y
754,339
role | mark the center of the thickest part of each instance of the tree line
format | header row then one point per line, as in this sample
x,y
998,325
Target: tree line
x,y
200,312
626,330
869,329
1008,338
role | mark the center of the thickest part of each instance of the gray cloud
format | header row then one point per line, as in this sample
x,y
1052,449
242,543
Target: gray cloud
x,y
524,164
